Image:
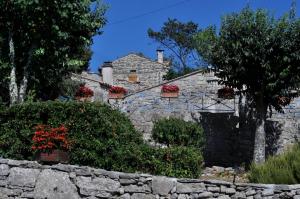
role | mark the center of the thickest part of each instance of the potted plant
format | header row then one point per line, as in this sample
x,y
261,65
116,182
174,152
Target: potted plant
x,y
226,93
169,90
84,94
117,92
51,144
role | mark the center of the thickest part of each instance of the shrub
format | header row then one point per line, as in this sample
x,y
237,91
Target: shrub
x,y
281,169
175,131
69,87
101,137
180,161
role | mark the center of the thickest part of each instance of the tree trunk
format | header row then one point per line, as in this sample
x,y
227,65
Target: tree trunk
x,y
24,82
13,87
259,154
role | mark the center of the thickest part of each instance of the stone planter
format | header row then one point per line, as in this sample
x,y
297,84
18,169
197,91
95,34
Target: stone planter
x,y
56,156
116,95
170,94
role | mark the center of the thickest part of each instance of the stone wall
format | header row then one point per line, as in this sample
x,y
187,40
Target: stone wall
x,y
229,137
149,72
197,93
197,98
30,180
92,81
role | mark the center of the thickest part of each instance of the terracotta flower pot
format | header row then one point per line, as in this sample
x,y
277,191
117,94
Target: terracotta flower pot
x,y
55,156
170,94
116,95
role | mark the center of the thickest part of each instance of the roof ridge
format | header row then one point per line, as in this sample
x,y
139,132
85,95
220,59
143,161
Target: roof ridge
x,y
136,54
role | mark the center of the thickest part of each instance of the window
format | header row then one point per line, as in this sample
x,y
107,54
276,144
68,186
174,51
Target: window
x,y
132,77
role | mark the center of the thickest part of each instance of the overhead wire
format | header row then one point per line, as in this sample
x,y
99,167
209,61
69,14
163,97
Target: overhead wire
x,y
147,13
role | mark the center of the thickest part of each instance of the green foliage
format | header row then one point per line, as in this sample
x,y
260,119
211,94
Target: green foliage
x,y
51,39
172,74
255,50
177,37
68,87
258,55
31,96
174,131
281,169
180,161
177,161
100,137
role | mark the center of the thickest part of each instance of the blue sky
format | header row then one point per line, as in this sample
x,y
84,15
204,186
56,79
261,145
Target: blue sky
x,y
123,35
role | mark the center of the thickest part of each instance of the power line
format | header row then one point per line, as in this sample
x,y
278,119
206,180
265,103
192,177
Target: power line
x,y
147,13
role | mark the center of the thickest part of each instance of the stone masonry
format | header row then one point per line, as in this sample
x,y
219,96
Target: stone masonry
x,y
30,180
229,139
149,73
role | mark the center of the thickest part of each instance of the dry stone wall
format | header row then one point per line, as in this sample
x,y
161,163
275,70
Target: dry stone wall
x,y
30,180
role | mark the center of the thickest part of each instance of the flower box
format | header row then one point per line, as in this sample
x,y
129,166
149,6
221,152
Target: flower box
x,y
170,94
117,92
169,91
116,95
226,93
84,94
51,144
55,156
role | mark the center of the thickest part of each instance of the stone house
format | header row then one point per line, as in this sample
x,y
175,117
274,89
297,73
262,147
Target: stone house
x,y
229,135
229,138
133,72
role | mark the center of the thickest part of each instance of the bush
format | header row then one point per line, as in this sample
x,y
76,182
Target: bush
x,y
178,132
281,169
175,161
101,137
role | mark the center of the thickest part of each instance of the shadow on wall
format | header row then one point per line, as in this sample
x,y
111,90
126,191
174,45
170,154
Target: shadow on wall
x,y
221,133
230,139
274,130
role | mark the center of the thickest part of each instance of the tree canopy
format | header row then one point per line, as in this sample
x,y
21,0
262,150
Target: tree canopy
x,y
43,41
258,54
177,38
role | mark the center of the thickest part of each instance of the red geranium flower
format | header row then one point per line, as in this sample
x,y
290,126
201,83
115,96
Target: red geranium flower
x,y
168,88
117,89
84,91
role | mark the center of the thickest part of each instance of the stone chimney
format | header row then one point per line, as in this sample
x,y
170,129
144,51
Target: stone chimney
x,y
107,72
160,56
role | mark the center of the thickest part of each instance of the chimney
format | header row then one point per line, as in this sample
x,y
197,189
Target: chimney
x,y
160,56
107,72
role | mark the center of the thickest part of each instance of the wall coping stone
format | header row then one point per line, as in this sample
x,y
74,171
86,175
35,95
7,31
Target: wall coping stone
x,y
84,181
